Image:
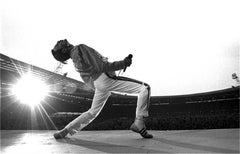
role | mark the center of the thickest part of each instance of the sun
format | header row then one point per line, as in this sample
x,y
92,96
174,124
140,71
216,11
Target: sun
x,y
30,90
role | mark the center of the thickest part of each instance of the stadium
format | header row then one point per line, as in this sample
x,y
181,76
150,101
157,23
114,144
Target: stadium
x,y
202,122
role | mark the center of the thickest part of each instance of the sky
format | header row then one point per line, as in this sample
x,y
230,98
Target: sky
x,y
178,46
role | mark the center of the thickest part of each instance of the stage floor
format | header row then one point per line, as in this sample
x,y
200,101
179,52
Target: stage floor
x,y
123,141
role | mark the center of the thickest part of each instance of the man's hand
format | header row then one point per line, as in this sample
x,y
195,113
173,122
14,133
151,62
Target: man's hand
x,y
128,61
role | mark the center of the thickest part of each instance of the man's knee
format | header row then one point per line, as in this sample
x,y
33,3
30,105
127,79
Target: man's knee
x,y
147,87
94,112
86,116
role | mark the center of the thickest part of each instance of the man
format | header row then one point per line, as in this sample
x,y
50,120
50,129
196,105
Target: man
x,y
99,74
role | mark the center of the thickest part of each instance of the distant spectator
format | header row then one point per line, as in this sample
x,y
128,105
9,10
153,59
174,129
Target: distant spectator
x,y
236,79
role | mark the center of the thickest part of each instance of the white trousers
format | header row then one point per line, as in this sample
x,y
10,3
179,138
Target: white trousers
x,y
104,85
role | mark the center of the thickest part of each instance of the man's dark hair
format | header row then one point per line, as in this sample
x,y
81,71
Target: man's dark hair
x,y
60,51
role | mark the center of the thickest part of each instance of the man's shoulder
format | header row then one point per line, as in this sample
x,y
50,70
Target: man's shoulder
x,y
91,52
83,45
80,48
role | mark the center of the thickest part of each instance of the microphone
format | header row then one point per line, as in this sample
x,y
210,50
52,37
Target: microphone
x,y
130,57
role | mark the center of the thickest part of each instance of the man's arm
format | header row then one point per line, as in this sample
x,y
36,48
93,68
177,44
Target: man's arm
x,y
99,63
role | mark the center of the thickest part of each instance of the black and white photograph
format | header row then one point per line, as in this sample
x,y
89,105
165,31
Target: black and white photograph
x,y
119,76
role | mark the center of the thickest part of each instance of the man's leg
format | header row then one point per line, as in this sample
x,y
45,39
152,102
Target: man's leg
x,y
131,86
87,117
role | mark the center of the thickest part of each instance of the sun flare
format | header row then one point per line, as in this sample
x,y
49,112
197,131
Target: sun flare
x,y
30,90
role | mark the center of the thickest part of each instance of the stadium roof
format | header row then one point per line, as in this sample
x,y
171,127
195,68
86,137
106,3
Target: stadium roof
x,y
12,69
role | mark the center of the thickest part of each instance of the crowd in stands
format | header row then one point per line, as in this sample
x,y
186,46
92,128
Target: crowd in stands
x,y
206,114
